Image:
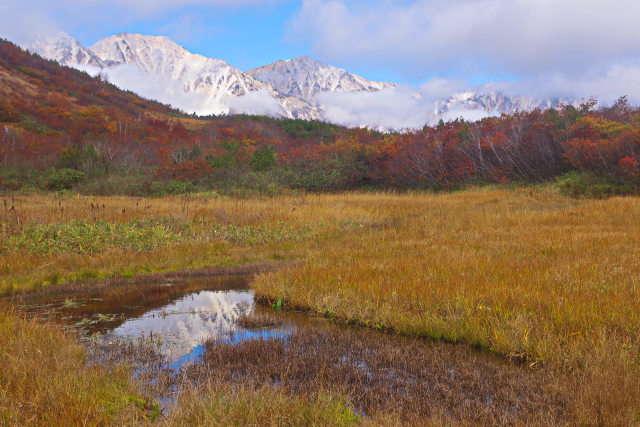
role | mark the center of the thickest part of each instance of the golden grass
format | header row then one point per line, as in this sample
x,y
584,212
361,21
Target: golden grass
x,y
223,405
44,380
523,273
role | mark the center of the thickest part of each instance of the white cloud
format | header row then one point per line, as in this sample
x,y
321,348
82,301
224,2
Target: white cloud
x,y
400,108
259,102
24,28
391,108
169,91
569,49
521,37
605,85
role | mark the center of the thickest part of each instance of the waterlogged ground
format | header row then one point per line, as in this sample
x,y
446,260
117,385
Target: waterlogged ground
x,y
210,331
177,318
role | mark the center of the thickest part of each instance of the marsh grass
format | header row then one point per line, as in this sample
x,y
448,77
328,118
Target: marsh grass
x,y
49,240
524,273
381,375
527,274
44,380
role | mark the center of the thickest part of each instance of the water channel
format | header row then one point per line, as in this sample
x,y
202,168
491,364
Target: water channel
x,y
193,326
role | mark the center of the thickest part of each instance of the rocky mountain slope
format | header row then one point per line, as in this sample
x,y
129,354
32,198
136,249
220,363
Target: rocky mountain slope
x,y
158,68
304,78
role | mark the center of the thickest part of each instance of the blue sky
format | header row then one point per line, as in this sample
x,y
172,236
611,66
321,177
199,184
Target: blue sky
x,y
246,36
245,33
577,48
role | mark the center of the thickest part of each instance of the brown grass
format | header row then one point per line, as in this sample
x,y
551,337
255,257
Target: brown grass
x,y
381,375
44,380
527,274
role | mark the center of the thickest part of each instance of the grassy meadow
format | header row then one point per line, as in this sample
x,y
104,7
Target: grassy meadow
x,y
528,274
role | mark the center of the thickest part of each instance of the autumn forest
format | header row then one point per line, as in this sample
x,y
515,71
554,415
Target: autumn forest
x,y
163,268
64,129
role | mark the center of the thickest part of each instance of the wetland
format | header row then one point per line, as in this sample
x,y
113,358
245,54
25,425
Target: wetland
x,y
479,307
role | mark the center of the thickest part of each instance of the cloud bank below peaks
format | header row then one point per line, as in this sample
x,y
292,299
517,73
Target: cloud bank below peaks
x,y
172,92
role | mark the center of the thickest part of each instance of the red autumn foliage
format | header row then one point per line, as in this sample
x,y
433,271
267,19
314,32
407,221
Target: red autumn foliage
x,y
46,108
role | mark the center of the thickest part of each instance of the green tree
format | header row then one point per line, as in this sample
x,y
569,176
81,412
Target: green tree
x,y
264,158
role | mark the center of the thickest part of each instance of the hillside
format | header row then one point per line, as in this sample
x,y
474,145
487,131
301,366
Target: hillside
x,y
46,108
39,97
158,68
64,129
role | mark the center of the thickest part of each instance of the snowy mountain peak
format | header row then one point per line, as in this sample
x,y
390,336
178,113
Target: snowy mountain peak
x,y
158,68
304,78
64,49
147,52
206,85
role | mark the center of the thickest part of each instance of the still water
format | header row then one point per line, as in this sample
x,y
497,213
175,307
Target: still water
x,y
176,317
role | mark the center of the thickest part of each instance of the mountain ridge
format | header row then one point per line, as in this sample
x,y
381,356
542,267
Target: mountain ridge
x,y
304,78
158,68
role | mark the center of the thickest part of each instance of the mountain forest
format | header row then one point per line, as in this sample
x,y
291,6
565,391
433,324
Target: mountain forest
x,y
158,267
63,130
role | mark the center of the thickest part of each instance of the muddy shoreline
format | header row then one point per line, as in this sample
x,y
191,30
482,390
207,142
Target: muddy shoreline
x,y
99,285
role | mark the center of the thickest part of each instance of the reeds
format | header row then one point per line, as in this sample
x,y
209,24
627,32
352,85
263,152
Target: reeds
x,y
44,380
526,274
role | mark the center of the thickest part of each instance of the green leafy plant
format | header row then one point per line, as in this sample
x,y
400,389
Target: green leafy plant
x,y
63,179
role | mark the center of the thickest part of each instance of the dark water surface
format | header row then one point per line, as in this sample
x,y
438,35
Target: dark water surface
x,y
193,324
177,317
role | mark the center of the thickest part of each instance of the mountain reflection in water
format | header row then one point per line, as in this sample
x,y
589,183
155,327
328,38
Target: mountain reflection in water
x,y
183,325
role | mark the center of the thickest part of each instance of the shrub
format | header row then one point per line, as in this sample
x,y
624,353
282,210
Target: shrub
x,y
8,113
263,159
173,186
63,179
585,184
70,158
112,184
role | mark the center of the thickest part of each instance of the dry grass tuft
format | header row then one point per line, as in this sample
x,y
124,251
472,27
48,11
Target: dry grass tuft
x,y
223,404
44,380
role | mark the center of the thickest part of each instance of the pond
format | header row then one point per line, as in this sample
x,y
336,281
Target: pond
x,y
194,330
177,317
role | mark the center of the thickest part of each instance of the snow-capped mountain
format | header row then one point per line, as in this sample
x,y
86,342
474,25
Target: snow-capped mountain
x,y
304,78
493,102
160,69
216,81
65,49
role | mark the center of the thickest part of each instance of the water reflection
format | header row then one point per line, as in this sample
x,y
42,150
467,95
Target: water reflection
x,y
176,317
182,326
